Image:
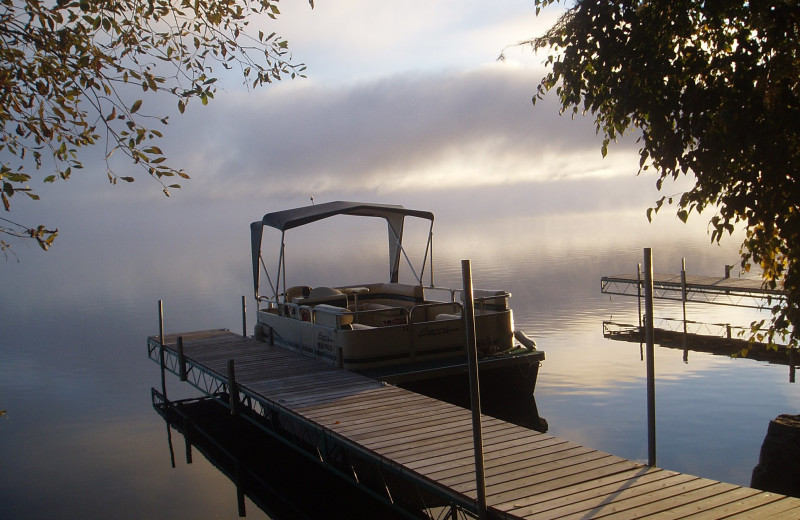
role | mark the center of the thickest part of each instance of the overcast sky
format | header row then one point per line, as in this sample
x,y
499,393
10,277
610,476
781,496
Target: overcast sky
x,y
396,99
399,98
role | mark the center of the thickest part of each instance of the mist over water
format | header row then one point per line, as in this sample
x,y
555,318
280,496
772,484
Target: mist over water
x,y
81,439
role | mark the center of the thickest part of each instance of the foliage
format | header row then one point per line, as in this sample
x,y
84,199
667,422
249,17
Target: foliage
x,y
713,89
70,71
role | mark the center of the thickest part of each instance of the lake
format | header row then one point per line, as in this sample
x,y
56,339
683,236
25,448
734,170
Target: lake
x,y
80,438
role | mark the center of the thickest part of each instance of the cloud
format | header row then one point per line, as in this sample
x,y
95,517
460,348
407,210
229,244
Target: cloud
x,y
423,131
359,39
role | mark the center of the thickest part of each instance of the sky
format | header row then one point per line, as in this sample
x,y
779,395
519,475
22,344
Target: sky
x,y
401,101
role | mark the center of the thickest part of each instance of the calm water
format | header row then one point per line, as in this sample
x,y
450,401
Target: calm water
x,y
80,438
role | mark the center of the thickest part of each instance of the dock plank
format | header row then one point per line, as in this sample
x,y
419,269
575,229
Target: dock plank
x,y
561,498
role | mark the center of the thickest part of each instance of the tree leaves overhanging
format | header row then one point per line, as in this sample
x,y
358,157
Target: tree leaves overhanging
x,y
70,70
713,88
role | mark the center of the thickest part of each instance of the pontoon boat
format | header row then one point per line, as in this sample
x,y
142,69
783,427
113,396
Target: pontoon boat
x,y
410,334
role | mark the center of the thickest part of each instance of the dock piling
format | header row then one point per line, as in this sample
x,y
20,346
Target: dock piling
x,y
161,348
244,316
233,392
181,360
650,350
683,303
474,388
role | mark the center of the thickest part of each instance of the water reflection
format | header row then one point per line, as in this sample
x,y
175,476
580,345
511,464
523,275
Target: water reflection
x,y
277,480
80,434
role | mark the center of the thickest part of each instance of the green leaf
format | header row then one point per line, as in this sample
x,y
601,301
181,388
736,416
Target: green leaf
x,y
136,106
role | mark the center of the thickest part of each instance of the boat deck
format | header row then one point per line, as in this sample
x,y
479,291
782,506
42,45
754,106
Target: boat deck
x,y
417,453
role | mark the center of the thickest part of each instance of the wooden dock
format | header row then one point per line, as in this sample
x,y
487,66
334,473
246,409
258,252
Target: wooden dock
x,y
416,452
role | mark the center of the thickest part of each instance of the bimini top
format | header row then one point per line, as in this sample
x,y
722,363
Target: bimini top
x,y
291,218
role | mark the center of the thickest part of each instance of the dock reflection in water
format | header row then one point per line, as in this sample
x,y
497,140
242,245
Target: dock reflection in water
x,y
279,481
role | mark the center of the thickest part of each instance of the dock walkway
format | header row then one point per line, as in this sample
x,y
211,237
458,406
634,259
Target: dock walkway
x,y
416,452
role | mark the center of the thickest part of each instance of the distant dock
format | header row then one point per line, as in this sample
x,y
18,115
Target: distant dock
x,y
416,453
739,292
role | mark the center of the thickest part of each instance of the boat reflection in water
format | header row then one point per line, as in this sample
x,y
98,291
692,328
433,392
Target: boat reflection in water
x,y
278,480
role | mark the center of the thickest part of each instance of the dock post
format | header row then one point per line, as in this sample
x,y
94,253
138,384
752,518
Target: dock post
x,y
244,317
651,386
683,302
181,360
639,303
161,348
233,397
639,295
474,388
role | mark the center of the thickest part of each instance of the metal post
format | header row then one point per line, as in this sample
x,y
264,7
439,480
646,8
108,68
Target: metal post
x,y
683,302
181,360
161,348
639,294
233,392
651,387
474,388
639,303
244,316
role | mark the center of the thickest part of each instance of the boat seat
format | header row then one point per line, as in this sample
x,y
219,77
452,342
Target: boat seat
x,y
318,295
298,291
327,315
323,292
394,293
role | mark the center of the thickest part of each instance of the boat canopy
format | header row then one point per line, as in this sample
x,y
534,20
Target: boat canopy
x,y
292,218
